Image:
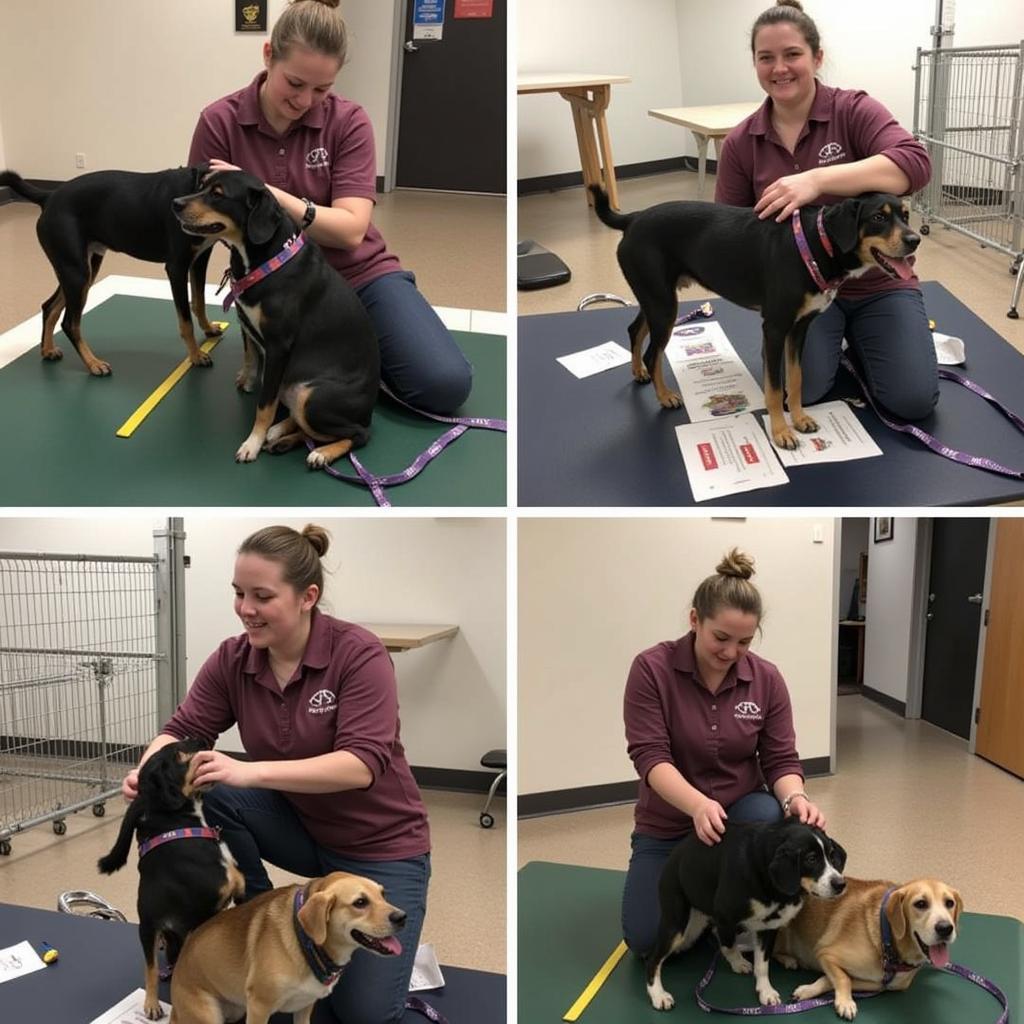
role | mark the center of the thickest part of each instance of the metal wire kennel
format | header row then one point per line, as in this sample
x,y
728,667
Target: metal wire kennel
x,y
968,112
85,679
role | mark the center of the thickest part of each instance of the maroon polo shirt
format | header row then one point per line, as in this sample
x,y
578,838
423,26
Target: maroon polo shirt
x,y
725,744
844,125
328,154
342,696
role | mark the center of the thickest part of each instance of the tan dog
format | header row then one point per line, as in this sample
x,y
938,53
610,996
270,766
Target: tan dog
x,y
843,937
281,951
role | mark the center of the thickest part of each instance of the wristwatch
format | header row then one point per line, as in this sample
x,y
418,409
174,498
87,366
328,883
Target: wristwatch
x,y
310,213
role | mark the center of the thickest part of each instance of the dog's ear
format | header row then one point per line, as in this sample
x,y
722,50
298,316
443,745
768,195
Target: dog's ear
x,y
959,901
842,222
199,172
264,215
836,854
784,869
315,914
896,912
161,780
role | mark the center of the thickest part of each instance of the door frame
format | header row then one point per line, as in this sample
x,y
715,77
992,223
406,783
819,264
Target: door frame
x,y
993,529
400,9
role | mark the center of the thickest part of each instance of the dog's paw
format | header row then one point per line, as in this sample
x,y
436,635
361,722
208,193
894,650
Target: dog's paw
x,y
52,355
641,376
845,1007
153,1011
660,999
212,330
785,439
245,380
805,424
99,368
738,962
787,961
670,400
249,449
768,996
804,992
201,358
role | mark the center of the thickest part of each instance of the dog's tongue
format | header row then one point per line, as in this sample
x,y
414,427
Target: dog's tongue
x,y
902,267
939,954
392,945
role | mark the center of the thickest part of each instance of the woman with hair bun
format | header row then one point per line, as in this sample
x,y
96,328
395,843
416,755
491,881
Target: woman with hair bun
x,y
328,787
314,150
812,143
709,729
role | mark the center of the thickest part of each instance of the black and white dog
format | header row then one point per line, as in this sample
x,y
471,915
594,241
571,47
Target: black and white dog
x,y
754,880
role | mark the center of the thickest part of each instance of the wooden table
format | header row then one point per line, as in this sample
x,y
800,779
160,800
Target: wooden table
x,y
588,95
405,637
707,123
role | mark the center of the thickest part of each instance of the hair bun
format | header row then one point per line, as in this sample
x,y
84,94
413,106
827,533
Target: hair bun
x,y
790,3
318,537
736,563
326,3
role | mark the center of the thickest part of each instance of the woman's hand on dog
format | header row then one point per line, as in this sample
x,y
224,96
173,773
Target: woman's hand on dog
x,y
808,813
212,766
130,785
709,822
784,195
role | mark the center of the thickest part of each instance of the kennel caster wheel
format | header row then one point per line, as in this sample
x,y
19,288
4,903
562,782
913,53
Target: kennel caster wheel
x,y
98,810
5,848
60,827
486,821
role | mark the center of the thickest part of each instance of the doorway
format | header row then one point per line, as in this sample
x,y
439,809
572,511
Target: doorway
x,y
451,125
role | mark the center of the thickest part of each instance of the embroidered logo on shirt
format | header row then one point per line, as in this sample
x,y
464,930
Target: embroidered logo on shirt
x,y
748,710
322,702
830,153
317,157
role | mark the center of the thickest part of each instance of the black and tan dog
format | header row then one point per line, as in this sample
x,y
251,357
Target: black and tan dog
x,y
754,263
185,876
755,880
128,212
307,335
844,938
281,951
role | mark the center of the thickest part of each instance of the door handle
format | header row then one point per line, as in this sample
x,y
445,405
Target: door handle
x,y
975,598
930,616
411,47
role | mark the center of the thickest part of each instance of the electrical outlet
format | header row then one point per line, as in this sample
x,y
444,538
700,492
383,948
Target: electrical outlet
x,y
80,160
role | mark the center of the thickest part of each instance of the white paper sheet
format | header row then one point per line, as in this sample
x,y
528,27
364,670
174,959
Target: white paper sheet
x,y
129,1010
426,971
839,437
18,960
594,360
713,380
727,456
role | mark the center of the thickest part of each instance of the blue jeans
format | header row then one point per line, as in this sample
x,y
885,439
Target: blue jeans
x,y
420,361
640,908
889,338
260,824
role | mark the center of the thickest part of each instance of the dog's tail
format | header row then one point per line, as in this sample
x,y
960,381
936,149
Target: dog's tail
x,y
118,856
23,188
605,213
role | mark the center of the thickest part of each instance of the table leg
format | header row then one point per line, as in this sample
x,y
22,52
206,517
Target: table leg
x,y
588,107
702,160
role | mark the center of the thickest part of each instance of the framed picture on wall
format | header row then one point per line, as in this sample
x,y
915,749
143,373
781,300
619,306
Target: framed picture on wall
x,y
883,528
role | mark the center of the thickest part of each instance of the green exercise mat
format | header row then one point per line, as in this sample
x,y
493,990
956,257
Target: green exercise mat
x,y
60,426
570,922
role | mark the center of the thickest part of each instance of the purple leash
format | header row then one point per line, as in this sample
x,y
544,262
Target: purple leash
x,y
802,1005
376,483
428,1011
978,461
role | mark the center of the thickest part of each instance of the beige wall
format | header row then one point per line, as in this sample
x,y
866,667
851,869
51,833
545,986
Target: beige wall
x,y
123,81
595,592
452,693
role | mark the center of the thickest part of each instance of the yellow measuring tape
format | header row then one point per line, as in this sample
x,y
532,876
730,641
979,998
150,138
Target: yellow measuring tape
x,y
596,982
129,426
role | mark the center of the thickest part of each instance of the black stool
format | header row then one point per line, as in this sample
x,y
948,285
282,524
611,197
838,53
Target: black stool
x,y
493,759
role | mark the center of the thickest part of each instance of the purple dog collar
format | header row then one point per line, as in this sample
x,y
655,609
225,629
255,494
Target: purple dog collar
x,y
805,251
291,248
203,832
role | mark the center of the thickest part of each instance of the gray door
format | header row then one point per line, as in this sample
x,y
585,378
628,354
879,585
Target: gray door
x,y
451,127
956,582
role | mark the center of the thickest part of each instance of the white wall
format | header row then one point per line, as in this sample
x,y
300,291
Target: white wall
x,y
888,647
593,593
428,570
123,81
683,53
